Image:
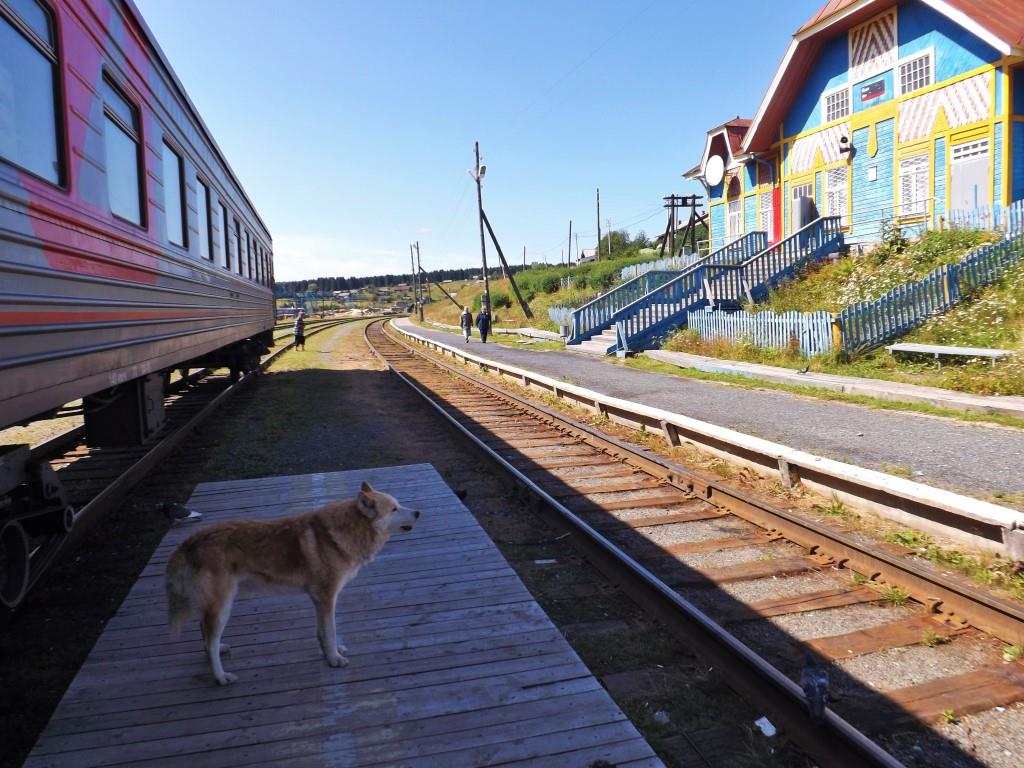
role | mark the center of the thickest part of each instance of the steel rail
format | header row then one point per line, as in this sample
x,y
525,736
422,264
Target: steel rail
x,y
833,742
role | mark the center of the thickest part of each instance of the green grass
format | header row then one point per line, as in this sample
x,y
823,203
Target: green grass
x,y
895,595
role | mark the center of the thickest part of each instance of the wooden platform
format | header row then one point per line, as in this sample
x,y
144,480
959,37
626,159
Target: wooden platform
x,y
452,662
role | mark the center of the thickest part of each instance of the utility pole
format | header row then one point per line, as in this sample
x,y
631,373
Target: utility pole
x,y
420,269
478,174
577,247
569,248
599,224
415,281
524,257
609,223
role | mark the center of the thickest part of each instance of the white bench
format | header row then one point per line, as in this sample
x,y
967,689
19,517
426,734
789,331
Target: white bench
x,y
938,350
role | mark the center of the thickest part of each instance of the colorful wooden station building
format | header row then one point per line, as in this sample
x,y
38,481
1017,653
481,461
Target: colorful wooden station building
x,y
879,112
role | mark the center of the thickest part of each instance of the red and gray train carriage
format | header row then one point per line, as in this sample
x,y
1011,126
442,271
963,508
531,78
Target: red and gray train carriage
x,y
128,248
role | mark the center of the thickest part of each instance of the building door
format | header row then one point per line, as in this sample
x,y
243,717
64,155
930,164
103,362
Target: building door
x,y
802,210
969,186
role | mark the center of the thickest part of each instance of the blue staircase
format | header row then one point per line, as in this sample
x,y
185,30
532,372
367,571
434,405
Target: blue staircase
x,y
721,279
596,316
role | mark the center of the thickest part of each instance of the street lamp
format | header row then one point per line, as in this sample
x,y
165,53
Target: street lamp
x,y
478,174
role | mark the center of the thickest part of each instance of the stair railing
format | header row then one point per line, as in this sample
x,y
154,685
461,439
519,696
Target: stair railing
x,y
595,315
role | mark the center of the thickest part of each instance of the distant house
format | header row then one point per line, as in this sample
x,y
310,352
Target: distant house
x,y
587,255
879,110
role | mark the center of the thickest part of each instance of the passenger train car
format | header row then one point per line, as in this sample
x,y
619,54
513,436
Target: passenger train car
x,y
128,247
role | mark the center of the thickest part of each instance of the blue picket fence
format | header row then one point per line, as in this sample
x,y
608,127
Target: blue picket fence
x,y
1006,218
869,324
768,330
595,316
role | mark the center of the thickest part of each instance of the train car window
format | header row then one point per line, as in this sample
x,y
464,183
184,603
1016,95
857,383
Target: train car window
x,y
205,232
248,245
29,111
174,197
238,245
122,141
226,234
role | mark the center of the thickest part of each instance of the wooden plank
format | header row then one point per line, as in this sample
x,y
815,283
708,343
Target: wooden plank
x,y
977,691
450,659
873,639
809,601
653,521
755,569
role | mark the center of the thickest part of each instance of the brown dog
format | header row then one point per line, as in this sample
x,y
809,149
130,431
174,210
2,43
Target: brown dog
x,y
316,552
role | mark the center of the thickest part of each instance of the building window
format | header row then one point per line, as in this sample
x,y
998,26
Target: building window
x,y
835,193
226,235
174,197
735,225
28,91
205,232
765,215
837,104
914,186
916,73
121,140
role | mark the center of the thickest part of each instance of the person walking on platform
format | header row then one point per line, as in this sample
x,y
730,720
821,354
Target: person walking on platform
x,y
300,330
483,323
466,323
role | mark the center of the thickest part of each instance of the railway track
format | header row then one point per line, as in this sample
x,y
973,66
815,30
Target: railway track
x,y
768,597
96,480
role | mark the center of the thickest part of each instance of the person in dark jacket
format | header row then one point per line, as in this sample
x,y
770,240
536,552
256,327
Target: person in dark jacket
x,y
300,330
483,323
466,323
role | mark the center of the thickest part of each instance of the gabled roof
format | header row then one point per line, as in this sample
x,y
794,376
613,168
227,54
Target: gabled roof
x,y
1000,23
733,130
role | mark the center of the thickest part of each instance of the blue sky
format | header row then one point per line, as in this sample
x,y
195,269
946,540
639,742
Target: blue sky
x,y
351,124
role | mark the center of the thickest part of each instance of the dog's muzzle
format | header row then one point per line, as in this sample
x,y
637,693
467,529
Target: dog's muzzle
x,y
415,516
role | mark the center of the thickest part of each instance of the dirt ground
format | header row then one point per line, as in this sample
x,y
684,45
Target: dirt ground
x,y
330,408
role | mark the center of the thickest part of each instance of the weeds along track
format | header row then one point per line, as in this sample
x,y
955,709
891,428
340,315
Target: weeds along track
x,y
96,480
770,598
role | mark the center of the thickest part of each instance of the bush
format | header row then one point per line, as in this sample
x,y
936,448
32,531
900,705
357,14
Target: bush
x,y
498,299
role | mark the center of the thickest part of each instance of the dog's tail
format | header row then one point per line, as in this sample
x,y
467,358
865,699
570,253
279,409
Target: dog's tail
x,y
180,590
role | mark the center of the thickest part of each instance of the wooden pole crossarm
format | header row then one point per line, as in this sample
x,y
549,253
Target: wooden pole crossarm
x,y
450,297
511,280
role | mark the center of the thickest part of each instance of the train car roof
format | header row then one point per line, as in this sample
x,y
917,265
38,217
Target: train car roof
x,y
131,8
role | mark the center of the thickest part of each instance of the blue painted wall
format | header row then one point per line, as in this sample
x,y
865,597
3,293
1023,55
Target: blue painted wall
x,y
1018,91
997,158
886,95
819,201
1018,161
717,226
939,165
749,177
870,196
999,78
749,213
830,71
918,27
716,192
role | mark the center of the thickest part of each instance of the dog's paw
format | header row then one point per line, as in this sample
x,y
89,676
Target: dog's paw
x,y
338,661
228,679
342,649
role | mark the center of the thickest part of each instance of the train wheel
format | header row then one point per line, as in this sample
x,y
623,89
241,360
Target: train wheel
x,y
14,563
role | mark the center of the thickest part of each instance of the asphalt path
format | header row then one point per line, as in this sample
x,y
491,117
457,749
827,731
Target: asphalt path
x,y
979,459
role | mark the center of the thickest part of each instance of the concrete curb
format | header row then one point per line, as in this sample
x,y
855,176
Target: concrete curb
x,y
851,385
978,523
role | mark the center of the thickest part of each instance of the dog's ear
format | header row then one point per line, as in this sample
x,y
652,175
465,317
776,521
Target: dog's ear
x,y
366,487
366,503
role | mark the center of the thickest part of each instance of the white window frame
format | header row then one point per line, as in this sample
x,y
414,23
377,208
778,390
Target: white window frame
x,y
766,211
897,73
733,228
837,198
824,104
918,206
